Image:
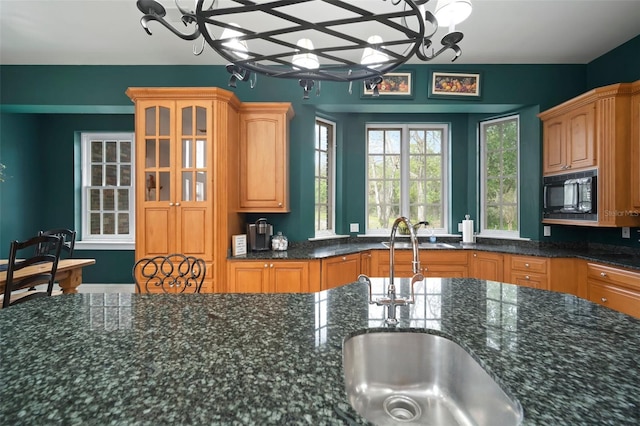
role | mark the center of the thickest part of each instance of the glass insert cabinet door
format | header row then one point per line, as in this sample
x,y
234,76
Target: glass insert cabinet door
x,y
176,213
176,167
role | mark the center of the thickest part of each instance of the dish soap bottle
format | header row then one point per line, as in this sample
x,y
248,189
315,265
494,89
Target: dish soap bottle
x,y
432,237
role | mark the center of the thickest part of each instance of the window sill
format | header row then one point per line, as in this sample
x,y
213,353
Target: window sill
x,y
104,245
328,237
501,237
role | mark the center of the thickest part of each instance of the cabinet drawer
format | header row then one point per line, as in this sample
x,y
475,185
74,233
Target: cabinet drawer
x,y
530,280
612,275
614,297
446,257
529,264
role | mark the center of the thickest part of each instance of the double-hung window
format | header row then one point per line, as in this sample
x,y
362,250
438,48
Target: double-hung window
x,y
407,175
499,159
108,188
324,178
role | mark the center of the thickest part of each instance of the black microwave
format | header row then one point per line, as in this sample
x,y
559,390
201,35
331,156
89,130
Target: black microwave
x,y
571,196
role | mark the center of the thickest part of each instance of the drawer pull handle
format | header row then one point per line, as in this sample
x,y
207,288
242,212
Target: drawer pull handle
x,y
526,265
603,274
604,300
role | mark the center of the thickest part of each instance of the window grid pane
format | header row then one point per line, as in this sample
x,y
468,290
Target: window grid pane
x,y
323,187
108,186
406,175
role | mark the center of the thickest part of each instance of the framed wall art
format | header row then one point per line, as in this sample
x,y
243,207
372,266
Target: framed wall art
x,y
454,85
397,84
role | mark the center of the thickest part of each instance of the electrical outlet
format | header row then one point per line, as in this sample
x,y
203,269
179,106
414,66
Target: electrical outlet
x,y
354,227
626,232
459,226
547,231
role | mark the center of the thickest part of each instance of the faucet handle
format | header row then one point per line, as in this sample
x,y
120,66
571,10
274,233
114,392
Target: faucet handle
x,y
365,279
415,279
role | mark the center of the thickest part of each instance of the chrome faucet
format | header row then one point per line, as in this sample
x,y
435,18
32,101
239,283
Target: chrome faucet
x,y
391,300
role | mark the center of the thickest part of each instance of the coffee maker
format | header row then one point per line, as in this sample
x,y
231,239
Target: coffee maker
x,y
259,234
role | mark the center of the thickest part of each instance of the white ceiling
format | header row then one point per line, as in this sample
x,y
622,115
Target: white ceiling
x,y
108,32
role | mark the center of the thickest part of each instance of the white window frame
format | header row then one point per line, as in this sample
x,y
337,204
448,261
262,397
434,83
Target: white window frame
x,y
114,242
483,180
404,179
331,150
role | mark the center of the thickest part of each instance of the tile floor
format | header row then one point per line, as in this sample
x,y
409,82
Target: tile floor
x,y
103,288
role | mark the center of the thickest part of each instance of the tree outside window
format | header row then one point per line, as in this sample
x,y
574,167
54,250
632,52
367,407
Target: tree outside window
x,y
406,171
499,140
324,178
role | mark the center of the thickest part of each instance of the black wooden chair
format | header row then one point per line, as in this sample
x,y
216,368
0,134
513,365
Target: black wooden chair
x,y
68,238
68,241
174,273
24,254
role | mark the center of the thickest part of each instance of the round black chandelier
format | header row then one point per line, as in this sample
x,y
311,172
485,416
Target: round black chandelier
x,y
314,40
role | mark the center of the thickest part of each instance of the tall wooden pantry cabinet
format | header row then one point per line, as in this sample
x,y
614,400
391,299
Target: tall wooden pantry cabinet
x,y
186,140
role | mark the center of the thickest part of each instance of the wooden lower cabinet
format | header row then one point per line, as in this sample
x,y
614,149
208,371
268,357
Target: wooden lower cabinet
x,y
486,265
339,270
433,263
529,271
444,263
616,288
365,262
273,276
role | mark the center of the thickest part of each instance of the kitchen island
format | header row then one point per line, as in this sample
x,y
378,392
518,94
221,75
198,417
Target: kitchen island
x,y
261,359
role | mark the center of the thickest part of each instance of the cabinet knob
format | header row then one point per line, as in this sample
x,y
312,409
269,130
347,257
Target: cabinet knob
x,y
177,204
526,277
603,299
568,166
279,204
271,265
603,274
526,265
171,204
475,255
344,258
266,266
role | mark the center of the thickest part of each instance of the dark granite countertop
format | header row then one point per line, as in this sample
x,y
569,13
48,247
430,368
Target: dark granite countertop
x,y
275,359
615,256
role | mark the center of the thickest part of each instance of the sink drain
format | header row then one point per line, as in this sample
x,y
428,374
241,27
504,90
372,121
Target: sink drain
x,y
402,408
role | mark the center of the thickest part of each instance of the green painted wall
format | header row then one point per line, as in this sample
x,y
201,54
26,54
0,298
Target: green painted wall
x,y
621,65
43,108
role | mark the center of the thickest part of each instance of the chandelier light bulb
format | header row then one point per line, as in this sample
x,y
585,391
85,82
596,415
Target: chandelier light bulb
x,y
372,57
305,60
238,48
452,12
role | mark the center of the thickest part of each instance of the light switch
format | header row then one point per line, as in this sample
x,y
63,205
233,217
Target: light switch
x,y
547,231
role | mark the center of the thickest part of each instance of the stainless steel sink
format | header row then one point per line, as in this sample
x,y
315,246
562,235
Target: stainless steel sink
x,y
407,378
405,245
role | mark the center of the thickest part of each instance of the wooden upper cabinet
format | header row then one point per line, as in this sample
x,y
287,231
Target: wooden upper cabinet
x,y
569,140
264,157
598,129
635,145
